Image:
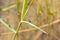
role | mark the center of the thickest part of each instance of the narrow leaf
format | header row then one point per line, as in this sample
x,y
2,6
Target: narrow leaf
x,y
34,26
24,9
7,25
7,8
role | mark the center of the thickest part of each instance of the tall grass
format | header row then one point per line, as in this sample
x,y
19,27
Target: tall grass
x,y
25,9
23,13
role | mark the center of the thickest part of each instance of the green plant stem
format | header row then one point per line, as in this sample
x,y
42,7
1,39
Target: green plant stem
x,y
9,7
22,15
24,10
19,25
17,30
7,25
34,26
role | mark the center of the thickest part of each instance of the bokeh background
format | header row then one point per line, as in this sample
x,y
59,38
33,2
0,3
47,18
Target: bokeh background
x,y
27,32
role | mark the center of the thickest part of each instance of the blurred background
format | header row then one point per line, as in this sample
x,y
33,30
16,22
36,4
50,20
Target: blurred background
x,y
36,16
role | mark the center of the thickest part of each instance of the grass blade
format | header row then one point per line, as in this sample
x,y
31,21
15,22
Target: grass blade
x,y
24,9
7,25
34,26
22,15
7,8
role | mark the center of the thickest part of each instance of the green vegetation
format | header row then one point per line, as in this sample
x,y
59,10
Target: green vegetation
x,y
25,9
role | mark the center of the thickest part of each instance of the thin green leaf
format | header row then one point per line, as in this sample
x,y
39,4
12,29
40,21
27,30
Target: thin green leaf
x,y
8,8
7,25
24,9
34,26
